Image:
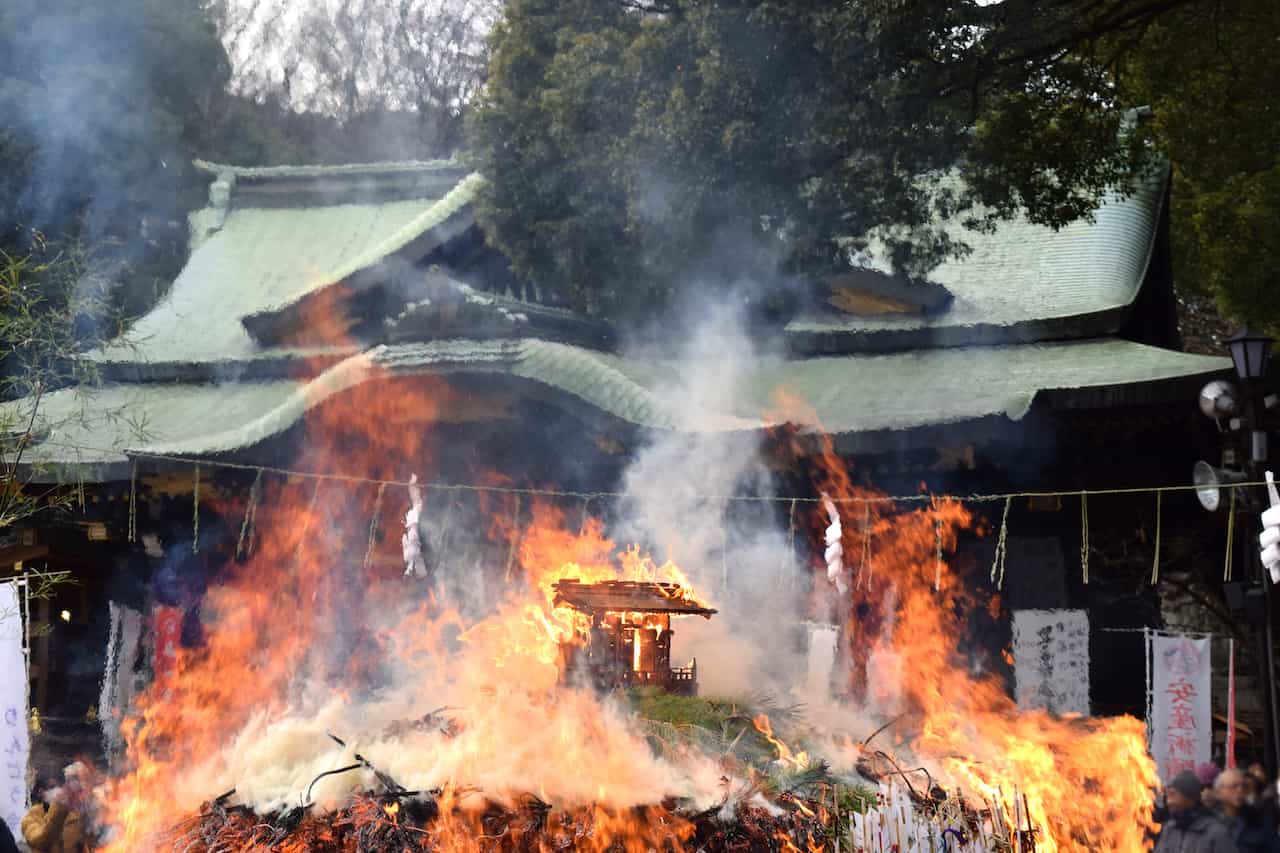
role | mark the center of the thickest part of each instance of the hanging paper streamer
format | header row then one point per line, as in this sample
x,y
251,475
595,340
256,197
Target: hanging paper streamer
x,y
1227,567
374,518
1270,538
13,701
442,539
724,554
515,538
415,562
133,501
1155,562
864,570
1084,538
835,550
937,564
306,519
1002,547
195,510
250,509
788,570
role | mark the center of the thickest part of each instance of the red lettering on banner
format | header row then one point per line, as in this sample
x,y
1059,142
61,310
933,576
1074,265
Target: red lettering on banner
x,y
1182,692
1181,718
168,637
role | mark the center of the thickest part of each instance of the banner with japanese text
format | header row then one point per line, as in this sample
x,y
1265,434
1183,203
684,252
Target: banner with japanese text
x,y
1051,660
167,625
1181,724
13,706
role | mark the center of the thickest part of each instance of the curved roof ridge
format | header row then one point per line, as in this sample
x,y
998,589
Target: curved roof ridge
x,y
264,260
1020,283
318,170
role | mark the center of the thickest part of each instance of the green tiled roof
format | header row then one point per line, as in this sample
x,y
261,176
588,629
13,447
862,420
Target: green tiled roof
x,y
849,394
344,169
91,428
1024,274
261,259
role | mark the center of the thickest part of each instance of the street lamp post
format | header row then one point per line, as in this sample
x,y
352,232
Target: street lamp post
x,y
1250,354
1244,412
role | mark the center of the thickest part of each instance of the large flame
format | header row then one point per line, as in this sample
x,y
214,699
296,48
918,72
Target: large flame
x,y
1087,783
308,639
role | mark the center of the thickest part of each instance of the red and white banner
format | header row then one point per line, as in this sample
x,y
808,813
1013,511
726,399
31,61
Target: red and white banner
x,y
1181,722
167,622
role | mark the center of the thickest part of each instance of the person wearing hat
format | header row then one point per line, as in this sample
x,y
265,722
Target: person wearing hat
x,y
1189,828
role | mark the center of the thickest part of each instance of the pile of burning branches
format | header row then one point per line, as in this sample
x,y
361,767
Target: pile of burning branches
x,y
815,814
412,821
392,818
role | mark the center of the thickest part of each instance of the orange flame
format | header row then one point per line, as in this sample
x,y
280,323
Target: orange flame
x,y
1088,783
303,636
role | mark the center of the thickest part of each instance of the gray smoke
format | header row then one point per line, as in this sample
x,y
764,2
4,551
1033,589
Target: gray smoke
x,y
737,553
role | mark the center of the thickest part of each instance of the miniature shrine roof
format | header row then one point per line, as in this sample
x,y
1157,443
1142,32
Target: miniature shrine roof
x,y
628,597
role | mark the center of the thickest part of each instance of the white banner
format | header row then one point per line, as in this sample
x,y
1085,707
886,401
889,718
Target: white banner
x,y
13,705
1181,716
1051,660
123,640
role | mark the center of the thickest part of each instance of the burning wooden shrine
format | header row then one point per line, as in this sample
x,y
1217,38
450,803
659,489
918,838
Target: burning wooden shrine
x,y
625,635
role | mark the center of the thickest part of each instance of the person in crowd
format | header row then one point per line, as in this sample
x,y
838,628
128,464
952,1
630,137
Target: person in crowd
x,y
7,844
1207,773
1190,829
1241,819
1265,801
56,823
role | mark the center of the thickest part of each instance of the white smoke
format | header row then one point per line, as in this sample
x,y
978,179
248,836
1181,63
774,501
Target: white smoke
x,y
737,553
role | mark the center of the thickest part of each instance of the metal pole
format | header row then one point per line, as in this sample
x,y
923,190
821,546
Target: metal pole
x,y
1257,458
1272,716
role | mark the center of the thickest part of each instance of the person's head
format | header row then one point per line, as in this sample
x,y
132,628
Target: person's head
x,y
1208,798
76,773
41,788
1258,773
1252,788
1182,793
1230,790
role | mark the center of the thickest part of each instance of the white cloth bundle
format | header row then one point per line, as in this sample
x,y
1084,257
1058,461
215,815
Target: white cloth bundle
x,y
1269,540
415,562
835,551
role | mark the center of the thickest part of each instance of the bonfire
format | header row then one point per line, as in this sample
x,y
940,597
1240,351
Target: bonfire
x,y
332,708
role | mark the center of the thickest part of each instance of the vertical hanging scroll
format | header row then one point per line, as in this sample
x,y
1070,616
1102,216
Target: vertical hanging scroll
x,y
1051,660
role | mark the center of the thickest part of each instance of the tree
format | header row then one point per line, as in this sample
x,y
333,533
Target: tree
x,y
1206,70
635,149
104,105
393,76
42,295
